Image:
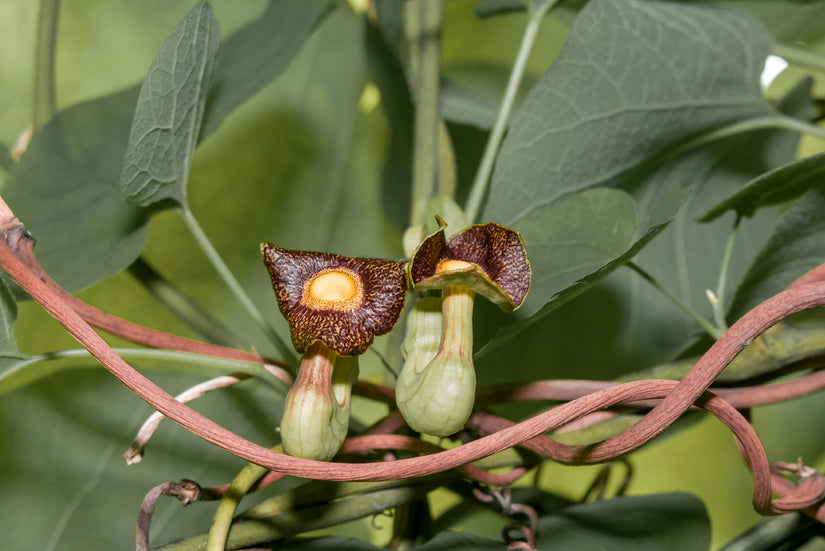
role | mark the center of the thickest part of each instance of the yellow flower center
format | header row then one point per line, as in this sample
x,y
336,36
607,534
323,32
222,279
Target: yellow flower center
x,y
450,265
332,286
333,289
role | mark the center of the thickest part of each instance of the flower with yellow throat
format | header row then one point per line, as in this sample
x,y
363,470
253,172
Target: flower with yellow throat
x,y
335,306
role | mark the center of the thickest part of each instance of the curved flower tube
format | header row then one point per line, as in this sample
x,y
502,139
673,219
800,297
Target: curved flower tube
x,y
335,307
435,394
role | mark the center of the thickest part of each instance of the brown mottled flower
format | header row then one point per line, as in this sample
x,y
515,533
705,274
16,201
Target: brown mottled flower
x,y
343,302
488,258
335,306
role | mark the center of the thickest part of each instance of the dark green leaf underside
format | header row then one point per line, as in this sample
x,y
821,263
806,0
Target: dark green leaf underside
x,y
774,187
64,190
677,522
795,247
169,112
575,244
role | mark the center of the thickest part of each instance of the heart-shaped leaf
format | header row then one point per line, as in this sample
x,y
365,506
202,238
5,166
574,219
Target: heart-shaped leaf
x,y
611,102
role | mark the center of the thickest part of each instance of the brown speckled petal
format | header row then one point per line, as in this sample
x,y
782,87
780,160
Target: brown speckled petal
x,y
345,317
498,266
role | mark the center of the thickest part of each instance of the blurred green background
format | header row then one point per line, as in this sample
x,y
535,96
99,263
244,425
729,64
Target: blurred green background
x,y
267,174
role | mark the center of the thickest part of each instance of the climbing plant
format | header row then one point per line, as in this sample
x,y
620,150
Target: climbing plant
x,y
531,274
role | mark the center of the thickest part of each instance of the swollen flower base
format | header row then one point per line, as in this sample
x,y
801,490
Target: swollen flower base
x,y
435,391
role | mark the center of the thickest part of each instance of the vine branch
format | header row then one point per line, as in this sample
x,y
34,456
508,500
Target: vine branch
x,y
676,397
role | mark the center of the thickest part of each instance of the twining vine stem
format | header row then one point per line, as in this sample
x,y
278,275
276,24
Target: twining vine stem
x,y
676,397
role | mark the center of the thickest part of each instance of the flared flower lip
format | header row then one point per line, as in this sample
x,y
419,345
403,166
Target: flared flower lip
x,y
497,265
341,301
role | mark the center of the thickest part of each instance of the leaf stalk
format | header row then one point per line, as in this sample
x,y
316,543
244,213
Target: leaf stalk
x,y
711,329
234,286
485,169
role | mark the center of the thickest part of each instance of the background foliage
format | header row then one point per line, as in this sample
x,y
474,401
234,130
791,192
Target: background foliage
x,y
300,152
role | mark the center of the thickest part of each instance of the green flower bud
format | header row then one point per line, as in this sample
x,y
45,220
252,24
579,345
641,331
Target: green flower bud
x,y
317,409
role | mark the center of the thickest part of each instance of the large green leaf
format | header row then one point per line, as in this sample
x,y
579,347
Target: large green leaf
x,y
788,20
598,335
796,246
572,246
575,238
675,522
685,258
777,186
666,521
612,102
61,459
74,162
64,190
169,112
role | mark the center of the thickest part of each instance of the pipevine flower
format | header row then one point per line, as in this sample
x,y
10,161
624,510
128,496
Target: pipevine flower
x,y
435,392
488,258
335,306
